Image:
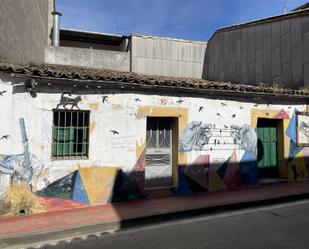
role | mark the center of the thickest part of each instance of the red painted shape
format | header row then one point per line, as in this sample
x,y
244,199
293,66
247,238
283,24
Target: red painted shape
x,y
198,171
282,115
202,159
137,175
52,204
232,178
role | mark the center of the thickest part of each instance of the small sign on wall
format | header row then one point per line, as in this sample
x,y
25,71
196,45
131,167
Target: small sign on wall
x,y
302,132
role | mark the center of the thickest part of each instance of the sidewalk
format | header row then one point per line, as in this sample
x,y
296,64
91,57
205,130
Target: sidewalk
x,y
136,212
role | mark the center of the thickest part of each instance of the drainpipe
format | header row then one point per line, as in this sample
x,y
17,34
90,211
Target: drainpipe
x,y
56,28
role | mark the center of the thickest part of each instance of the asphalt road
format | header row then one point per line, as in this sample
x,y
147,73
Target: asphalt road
x,y
284,226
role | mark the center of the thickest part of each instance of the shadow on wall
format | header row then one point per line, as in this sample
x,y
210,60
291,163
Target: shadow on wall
x,y
100,185
206,65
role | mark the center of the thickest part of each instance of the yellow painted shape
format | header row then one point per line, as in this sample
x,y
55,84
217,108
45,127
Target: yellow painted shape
x,y
299,162
182,158
262,113
94,106
92,126
17,197
214,182
289,173
283,148
98,182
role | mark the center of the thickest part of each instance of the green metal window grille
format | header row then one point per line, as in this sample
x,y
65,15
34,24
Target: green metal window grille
x,y
70,134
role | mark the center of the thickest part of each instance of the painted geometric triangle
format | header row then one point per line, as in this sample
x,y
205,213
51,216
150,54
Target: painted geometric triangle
x,y
183,187
198,171
300,165
294,150
79,191
98,182
61,188
291,130
215,183
124,189
199,174
221,171
232,177
282,115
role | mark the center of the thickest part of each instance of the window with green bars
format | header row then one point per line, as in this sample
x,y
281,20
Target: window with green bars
x,y
70,134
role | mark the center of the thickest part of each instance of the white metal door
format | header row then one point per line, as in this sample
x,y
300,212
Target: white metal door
x,y
158,171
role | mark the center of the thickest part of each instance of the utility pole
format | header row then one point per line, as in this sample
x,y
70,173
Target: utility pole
x,y
285,6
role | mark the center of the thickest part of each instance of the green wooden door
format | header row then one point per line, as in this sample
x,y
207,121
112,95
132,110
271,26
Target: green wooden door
x,y
267,147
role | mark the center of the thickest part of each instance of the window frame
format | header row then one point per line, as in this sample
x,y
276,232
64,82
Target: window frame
x,y
53,156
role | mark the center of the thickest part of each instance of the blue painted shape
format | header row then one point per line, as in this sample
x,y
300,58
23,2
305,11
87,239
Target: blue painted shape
x,y
79,191
294,150
291,130
184,187
61,188
248,169
221,171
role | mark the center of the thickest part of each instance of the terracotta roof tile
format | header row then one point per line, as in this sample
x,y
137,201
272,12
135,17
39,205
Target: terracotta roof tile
x,y
70,72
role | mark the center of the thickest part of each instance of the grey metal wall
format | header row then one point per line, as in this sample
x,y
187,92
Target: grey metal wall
x,y
274,53
167,57
24,30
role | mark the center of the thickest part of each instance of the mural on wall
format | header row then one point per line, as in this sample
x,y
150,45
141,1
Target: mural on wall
x,y
65,101
302,128
246,137
94,186
2,92
195,135
217,152
137,175
104,99
19,167
22,172
203,175
298,155
6,137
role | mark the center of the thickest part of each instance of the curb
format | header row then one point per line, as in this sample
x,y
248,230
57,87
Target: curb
x,y
106,227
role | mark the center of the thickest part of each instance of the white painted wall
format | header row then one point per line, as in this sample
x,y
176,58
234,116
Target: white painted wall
x,y
118,113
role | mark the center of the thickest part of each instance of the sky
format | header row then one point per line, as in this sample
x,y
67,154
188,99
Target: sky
x,y
186,19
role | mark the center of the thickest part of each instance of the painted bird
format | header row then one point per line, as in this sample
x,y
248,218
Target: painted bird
x,y
241,107
137,100
104,99
225,126
223,104
179,101
234,115
114,132
256,105
1,93
201,108
5,137
218,114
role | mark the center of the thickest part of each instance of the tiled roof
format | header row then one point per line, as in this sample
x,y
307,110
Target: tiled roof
x,y
79,73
